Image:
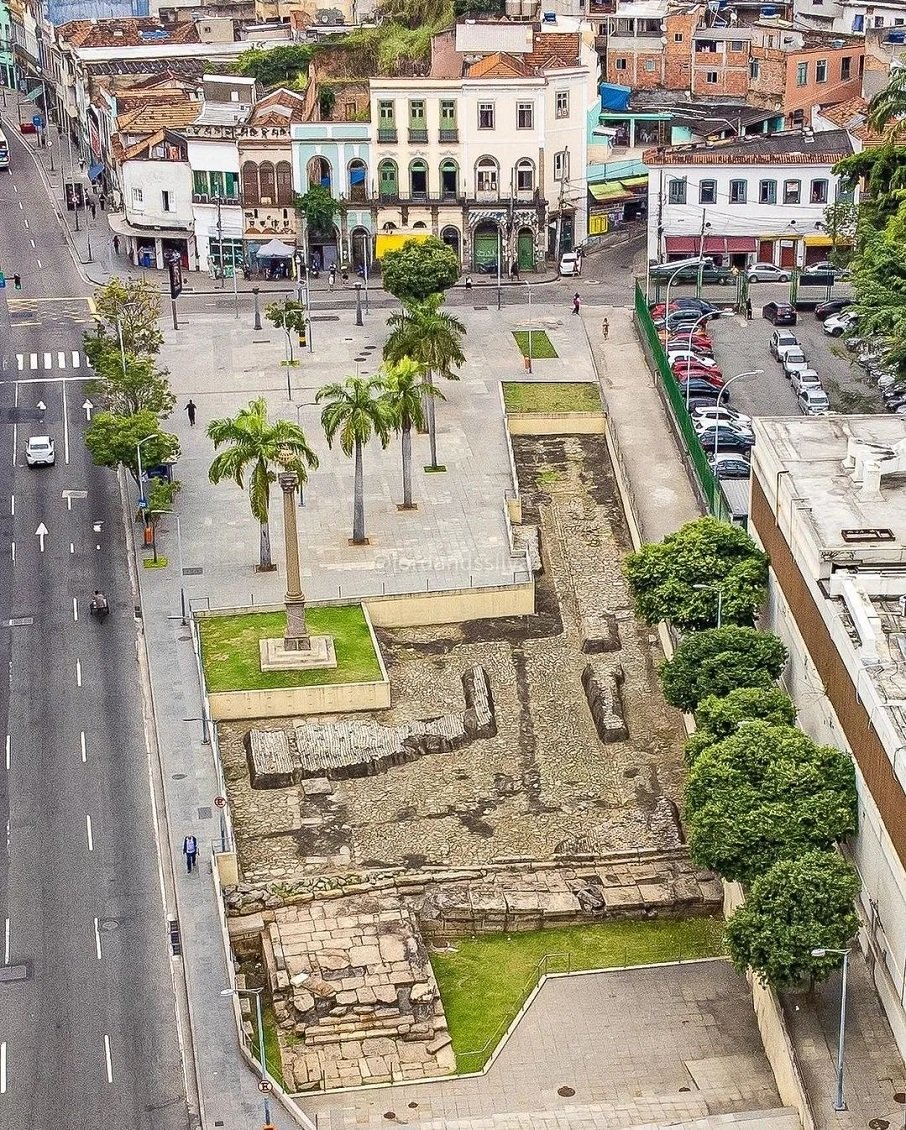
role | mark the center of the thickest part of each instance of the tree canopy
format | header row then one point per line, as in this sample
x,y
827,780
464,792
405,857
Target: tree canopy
x,y
281,66
720,660
678,578
767,793
797,906
420,269
140,387
717,718
112,440
319,208
130,306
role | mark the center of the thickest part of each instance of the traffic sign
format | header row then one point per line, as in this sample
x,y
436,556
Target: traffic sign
x,y
143,503
37,121
265,1086
220,802
2,281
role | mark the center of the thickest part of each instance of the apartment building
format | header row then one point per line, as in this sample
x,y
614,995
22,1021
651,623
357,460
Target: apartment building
x,y
885,50
745,200
828,505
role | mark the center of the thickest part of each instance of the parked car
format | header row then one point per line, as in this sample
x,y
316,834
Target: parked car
x,y
696,343
724,414
767,272
703,424
782,341
834,306
804,378
704,399
837,324
729,465
688,355
39,451
726,438
698,388
665,270
677,321
688,372
826,267
699,305
570,264
794,360
691,273
779,313
813,402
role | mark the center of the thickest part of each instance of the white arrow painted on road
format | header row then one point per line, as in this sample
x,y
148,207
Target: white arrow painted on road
x,y
41,532
89,407
41,406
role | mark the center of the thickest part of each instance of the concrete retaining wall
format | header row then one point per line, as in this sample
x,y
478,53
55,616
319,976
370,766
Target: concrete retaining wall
x,y
556,424
451,607
335,698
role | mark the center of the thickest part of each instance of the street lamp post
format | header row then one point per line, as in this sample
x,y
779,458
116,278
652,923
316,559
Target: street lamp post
x,y
142,501
720,396
255,292
529,358
264,1082
695,326
182,587
839,1101
720,600
358,304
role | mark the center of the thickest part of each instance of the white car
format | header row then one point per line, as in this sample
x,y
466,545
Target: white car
x,y
709,414
767,272
39,452
813,402
708,423
794,362
695,358
782,341
838,324
804,378
570,264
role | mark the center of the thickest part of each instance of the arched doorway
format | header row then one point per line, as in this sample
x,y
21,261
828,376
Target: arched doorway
x,y
525,249
486,247
388,180
358,181
449,179
323,248
450,236
360,240
418,180
319,172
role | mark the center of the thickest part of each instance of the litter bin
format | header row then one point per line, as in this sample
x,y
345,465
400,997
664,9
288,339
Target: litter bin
x,y
149,535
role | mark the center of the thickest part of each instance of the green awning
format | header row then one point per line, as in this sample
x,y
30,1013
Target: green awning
x,y
36,93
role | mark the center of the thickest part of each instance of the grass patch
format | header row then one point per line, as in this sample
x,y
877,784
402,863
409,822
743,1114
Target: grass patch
x,y
232,660
160,563
542,346
557,396
486,980
548,477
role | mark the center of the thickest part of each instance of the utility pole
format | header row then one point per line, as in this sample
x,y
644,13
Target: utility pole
x,y
220,237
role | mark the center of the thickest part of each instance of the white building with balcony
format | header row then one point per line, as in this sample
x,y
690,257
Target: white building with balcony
x,y
750,199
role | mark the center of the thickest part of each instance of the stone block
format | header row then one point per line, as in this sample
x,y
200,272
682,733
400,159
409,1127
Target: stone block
x,y
366,995
604,693
656,894
420,991
379,1046
391,948
316,786
281,979
446,1060
443,1040
333,959
622,898
303,1001
599,633
246,925
364,955
351,1049
347,997
386,994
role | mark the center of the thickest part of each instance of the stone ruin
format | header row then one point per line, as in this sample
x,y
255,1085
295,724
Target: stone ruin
x,y
359,747
603,687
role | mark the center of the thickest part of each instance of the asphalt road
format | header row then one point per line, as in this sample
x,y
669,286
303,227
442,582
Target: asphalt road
x,y
89,1039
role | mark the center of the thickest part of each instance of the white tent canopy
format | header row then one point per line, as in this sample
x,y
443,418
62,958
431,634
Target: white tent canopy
x,y
276,249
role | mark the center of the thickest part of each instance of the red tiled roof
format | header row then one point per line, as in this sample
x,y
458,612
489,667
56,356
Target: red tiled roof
x,y
499,65
125,33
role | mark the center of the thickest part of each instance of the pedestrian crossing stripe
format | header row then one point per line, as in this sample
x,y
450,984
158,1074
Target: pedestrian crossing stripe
x,y
55,359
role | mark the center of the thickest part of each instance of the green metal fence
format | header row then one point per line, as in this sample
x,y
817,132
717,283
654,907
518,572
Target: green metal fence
x,y
707,481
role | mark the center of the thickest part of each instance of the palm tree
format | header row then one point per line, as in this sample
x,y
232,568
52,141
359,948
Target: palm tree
x,y
406,393
887,110
256,444
433,339
355,410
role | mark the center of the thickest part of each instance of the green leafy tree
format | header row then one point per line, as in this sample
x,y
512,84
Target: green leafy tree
x,y
718,661
256,447
355,411
433,339
416,13
718,718
130,307
881,173
419,269
161,497
282,66
141,386
887,110
879,281
112,441
678,578
289,316
767,793
406,392
798,906
319,209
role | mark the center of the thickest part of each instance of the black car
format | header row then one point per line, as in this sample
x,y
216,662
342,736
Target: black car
x,y
729,466
824,309
701,390
703,400
779,313
727,439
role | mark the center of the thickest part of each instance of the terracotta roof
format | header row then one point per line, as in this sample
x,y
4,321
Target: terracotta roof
x,y
791,147
851,112
126,33
499,65
280,108
554,51
156,116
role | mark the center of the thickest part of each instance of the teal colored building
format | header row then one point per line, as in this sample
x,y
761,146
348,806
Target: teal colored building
x,y
7,57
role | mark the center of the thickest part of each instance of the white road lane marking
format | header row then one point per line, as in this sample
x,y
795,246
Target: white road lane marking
x,y
90,837
7,752
12,505
97,938
15,186
65,427
40,264
13,547
15,442
61,358
6,944
68,501
20,362
33,361
75,359
25,222
20,204
75,609
107,1057
3,1068
82,744
71,548
78,672
48,361
32,243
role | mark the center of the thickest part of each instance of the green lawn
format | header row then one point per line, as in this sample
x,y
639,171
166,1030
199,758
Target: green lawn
x,y
232,660
487,979
542,346
558,396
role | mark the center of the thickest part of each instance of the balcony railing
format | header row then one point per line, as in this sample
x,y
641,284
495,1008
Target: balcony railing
x,y
449,133
418,135
208,198
399,196
388,133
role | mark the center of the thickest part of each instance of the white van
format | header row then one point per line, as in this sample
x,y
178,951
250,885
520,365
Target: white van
x,y
570,264
813,402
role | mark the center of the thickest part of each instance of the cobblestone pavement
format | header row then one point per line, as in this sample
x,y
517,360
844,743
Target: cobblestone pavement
x,y
592,1051
545,783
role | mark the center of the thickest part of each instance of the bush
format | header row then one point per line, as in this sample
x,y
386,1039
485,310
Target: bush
x,y
767,793
795,907
721,660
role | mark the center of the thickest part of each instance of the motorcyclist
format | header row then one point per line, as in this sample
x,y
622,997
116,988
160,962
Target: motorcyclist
x,y
99,602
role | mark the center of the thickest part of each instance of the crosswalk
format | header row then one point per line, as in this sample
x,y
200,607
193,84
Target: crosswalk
x,y
57,360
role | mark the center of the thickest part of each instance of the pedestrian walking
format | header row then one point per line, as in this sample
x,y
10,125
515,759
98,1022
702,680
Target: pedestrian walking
x,y
514,270
749,309
116,245
331,278
605,328
102,202
190,412
468,282
190,851
94,208
577,302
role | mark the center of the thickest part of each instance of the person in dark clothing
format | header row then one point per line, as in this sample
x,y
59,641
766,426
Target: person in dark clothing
x,y
749,309
577,302
116,245
190,412
190,851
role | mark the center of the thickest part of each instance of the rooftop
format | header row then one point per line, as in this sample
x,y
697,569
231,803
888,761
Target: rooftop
x,y
486,37
125,33
791,147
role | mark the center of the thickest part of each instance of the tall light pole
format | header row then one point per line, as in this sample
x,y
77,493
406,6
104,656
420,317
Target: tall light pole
x,y
720,599
264,1084
529,285
695,326
142,501
182,587
358,304
720,396
823,951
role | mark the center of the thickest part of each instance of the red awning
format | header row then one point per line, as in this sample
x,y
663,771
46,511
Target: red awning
x,y
737,244
680,245
713,244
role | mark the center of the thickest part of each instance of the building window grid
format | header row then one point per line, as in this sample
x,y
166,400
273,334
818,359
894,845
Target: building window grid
x,y
846,67
525,115
676,192
821,70
561,104
485,115
818,194
561,165
802,74
707,192
767,192
738,191
711,77
792,191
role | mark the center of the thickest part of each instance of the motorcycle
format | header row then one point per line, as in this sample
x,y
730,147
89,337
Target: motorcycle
x,y
99,608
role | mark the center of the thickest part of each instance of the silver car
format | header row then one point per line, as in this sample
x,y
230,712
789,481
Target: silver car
x,y
767,272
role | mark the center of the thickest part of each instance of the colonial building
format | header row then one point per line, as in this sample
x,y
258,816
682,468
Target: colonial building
x,y
754,198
